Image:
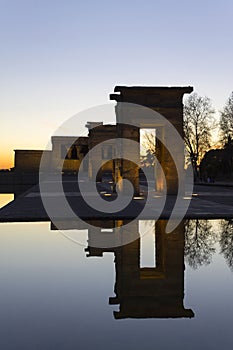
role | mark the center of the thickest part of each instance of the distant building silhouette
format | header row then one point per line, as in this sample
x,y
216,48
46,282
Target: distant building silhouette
x,y
217,164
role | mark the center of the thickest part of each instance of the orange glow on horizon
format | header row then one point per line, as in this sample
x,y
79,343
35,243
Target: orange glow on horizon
x,y
7,160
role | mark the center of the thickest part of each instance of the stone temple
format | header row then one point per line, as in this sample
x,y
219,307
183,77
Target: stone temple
x,y
166,101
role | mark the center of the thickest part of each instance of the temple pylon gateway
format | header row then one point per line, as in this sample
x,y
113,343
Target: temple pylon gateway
x,y
164,101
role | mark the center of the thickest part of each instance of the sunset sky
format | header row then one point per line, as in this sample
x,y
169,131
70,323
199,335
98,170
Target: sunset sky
x,y
61,57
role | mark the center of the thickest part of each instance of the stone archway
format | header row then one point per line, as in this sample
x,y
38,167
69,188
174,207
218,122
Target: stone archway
x,y
168,102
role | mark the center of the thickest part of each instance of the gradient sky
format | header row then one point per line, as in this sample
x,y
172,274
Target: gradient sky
x,y
60,57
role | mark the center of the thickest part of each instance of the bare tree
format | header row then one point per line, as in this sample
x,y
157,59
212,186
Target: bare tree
x,y
199,242
226,120
226,241
198,124
149,145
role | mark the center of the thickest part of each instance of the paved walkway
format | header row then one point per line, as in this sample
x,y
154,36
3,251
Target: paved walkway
x,y
210,202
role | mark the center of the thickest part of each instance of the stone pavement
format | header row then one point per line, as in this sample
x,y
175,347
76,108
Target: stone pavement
x,y
209,202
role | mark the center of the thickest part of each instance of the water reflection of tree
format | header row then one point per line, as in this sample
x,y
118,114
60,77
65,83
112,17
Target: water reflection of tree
x,y
226,241
199,242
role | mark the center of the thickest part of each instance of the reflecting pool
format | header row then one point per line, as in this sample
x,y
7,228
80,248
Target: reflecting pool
x,y
5,198
160,291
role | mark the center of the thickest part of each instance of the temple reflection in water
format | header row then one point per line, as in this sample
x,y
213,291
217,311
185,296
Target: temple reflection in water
x,y
144,292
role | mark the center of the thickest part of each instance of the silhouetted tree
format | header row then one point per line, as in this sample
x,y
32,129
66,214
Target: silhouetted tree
x,y
199,242
198,124
226,120
226,241
149,145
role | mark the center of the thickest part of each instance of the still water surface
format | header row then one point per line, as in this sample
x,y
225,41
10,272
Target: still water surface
x,y
54,296
5,198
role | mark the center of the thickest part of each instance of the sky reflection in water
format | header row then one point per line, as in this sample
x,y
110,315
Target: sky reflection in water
x,y
5,198
54,297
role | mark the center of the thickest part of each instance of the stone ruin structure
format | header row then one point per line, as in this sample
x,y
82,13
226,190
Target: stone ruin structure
x,y
165,100
142,291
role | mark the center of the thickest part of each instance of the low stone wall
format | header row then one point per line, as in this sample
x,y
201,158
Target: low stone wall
x,y
28,161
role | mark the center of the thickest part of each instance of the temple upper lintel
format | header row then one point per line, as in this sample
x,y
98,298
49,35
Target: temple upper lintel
x,y
184,89
151,96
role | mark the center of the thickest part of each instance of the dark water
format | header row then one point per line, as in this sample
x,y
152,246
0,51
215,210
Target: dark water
x,y
54,296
